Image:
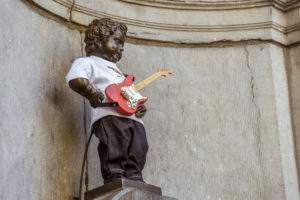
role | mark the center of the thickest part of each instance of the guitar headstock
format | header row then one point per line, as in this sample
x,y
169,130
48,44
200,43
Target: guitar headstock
x,y
165,72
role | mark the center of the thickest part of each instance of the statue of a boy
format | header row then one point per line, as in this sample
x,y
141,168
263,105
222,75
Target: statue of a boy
x,y
123,144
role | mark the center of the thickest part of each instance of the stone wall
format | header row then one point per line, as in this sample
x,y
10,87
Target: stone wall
x,y
220,127
212,125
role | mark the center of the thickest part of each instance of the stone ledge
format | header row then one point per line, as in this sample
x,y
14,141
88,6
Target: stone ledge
x,y
126,190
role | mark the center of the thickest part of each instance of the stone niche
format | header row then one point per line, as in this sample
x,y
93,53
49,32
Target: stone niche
x,y
220,127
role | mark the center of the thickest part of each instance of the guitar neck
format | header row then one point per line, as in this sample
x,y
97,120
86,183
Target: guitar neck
x,y
147,81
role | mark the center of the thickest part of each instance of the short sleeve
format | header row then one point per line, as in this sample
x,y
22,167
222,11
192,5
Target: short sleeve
x,y
81,68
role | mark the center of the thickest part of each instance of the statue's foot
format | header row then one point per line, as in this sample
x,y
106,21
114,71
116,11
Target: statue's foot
x,y
114,177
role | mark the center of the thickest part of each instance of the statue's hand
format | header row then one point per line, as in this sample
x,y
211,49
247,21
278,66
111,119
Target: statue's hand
x,y
127,75
96,98
141,111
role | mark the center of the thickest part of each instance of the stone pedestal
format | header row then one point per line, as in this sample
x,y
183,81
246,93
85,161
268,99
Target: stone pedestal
x,y
126,190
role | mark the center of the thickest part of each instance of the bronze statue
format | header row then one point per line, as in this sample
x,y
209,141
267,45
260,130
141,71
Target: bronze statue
x,y
123,144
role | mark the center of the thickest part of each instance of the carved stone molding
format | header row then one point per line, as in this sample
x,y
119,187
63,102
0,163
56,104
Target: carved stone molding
x,y
162,21
214,5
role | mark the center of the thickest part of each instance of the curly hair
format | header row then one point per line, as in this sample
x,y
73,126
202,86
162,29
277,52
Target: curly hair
x,y
98,30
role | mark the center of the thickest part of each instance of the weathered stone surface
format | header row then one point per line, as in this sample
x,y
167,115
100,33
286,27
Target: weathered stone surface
x,y
294,80
284,122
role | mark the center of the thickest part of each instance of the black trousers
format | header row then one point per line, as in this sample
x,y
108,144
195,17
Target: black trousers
x,y
122,149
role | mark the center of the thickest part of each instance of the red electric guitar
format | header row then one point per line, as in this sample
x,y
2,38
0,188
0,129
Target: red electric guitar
x,y
125,96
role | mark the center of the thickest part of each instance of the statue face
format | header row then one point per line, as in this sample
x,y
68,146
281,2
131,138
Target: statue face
x,y
113,46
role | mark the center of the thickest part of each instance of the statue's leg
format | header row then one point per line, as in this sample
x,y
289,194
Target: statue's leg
x,y
115,138
137,152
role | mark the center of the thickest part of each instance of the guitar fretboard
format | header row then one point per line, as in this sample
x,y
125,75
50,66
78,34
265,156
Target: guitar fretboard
x,y
147,81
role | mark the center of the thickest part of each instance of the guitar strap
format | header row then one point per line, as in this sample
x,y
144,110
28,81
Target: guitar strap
x,y
83,166
108,104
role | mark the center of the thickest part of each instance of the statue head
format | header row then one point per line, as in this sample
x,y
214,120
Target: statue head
x,y
105,38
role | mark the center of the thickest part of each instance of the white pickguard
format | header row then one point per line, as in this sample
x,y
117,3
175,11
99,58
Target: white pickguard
x,y
132,95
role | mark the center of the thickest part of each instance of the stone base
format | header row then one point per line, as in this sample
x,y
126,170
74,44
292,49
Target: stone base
x,y
126,190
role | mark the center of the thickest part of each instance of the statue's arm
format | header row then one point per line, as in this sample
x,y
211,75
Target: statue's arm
x,y
83,87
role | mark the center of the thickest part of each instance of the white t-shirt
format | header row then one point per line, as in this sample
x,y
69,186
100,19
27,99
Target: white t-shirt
x,y
101,73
